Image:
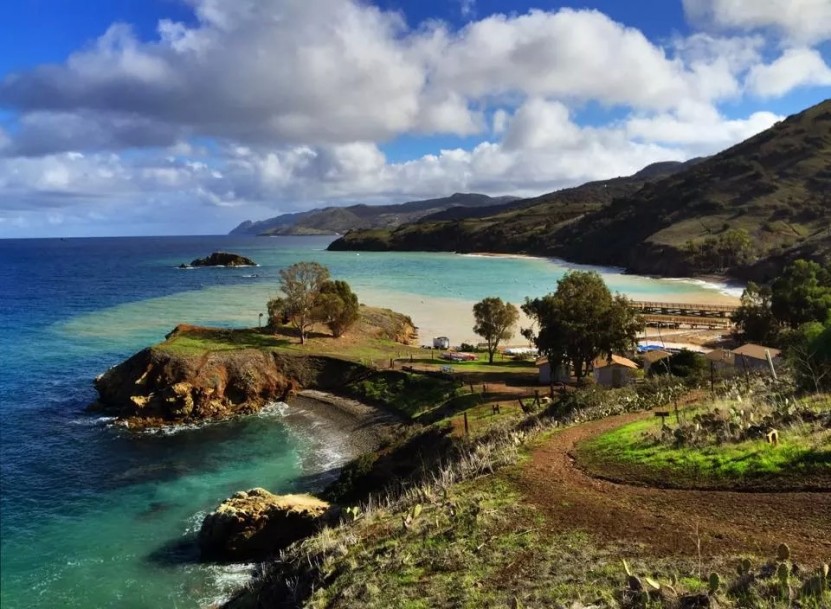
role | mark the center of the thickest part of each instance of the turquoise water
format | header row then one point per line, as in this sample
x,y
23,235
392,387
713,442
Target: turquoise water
x,y
95,517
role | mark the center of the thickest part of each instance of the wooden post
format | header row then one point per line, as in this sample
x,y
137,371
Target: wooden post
x,y
712,376
746,373
467,426
484,389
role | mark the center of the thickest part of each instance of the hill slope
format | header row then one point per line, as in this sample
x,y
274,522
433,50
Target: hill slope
x,y
331,220
517,227
772,193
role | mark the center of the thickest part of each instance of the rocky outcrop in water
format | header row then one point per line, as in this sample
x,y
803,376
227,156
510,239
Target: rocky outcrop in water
x,y
251,525
159,385
222,259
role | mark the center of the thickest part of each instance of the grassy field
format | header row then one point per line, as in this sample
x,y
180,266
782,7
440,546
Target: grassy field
x,y
372,340
633,453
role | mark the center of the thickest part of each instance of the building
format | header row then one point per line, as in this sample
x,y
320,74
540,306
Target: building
x,y
753,358
650,358
722,361
561,374
441,342
616,371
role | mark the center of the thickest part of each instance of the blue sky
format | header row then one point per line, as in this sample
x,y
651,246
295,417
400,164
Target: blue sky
x,y
171,116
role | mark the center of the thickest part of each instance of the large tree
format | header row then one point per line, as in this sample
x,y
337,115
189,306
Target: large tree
x,y
581,321
802,293
495,321
301,284
338,306
754,319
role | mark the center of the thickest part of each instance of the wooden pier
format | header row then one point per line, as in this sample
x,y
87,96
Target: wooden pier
x,y
676,314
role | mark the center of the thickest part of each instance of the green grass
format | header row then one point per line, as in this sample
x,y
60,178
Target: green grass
x,y
411,394
798,453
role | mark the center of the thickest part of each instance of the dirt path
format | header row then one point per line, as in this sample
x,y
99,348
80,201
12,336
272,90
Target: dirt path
x,y
670,521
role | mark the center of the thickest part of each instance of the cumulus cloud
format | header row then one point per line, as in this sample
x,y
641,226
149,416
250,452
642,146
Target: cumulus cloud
x,y
794,68
276,70
336,71
278,105
801,21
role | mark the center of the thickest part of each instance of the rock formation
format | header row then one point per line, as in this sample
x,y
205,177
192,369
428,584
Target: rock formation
x,y
223,259
157,386
251,525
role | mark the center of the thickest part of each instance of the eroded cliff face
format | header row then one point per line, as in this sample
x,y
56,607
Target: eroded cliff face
x,y
155,387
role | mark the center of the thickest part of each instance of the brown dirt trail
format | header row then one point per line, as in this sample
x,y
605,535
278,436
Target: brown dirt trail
x,y
670,522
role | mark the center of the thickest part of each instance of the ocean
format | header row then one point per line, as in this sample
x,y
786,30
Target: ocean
x,y
91,516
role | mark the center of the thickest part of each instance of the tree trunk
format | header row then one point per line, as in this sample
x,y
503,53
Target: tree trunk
x,y
490,355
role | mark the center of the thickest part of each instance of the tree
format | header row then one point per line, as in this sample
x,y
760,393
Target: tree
x,y
495,321
581,321
809,353
754,318
802,294
338,306
301,284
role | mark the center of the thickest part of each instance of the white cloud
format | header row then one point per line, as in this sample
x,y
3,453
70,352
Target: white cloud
x,y
698,133
569,54
467,7
336,71
800,21
794,68
280,105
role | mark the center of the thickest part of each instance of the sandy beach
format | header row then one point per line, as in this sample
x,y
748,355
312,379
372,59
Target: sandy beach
x,y
453,317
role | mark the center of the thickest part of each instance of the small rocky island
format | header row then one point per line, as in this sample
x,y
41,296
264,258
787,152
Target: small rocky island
x,y
254,524
221,259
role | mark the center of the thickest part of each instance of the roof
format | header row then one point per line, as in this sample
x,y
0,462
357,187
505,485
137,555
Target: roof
x,y
756,351
721,355
616,360
656,355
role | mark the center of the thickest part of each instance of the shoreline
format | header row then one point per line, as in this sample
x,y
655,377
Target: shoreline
x,y
363,428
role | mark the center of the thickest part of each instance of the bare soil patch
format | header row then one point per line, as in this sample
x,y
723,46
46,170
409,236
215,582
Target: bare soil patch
x,y
670,521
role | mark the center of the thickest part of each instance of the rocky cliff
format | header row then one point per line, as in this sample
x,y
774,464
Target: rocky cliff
x,y
200,373
155,387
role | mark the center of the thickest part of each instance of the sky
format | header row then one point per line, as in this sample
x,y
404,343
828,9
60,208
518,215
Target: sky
x,y
170,117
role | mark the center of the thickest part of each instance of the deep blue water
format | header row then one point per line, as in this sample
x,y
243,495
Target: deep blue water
x,y
94,517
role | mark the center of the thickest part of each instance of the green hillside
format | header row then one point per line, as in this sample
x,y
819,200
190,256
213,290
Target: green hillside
x,y
518,227
743,212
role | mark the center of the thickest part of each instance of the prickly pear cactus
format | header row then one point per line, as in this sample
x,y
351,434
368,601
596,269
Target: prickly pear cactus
x,y
713,583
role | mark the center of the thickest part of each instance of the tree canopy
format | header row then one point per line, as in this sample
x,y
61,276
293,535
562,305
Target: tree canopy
x,y
754,318
802,294
301,284
310,297
581,321
337,306
495,321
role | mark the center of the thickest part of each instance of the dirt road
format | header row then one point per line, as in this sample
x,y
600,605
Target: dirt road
x,y
671,521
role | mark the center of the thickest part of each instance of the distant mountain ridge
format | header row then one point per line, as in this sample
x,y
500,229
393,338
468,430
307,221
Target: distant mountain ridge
x,y
338,220
772,190
514,227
